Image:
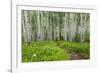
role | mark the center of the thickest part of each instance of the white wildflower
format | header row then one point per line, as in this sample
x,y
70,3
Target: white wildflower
x,y
34,54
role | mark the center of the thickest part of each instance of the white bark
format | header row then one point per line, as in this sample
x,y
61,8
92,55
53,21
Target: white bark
x,y
28,26
38,25
54,25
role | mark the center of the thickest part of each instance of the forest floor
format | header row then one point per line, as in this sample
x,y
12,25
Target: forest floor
x,y
76,56
54,51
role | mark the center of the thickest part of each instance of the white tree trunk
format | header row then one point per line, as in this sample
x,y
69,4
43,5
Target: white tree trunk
x,y
38,25
28,26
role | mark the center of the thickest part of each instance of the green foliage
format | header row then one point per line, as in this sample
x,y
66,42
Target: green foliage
x,y
87,37
82,48
43,51
53,50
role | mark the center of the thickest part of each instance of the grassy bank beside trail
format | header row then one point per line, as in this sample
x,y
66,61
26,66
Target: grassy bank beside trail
x,y
38,51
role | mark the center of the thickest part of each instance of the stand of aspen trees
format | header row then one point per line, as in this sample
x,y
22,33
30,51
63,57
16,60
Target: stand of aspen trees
x,y
49,25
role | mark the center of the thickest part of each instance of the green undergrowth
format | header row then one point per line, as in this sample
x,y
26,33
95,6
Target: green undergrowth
x,y
81,48
38,51
43,51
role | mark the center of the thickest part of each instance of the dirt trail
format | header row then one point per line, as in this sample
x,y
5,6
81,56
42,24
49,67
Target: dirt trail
x,y
76,56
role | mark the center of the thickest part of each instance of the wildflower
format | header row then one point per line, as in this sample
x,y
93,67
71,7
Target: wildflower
x,y
34,54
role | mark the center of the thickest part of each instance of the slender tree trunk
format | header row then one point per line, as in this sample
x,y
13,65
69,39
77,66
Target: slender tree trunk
x,y
58,38
28,26
23,27
65,27
38,25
